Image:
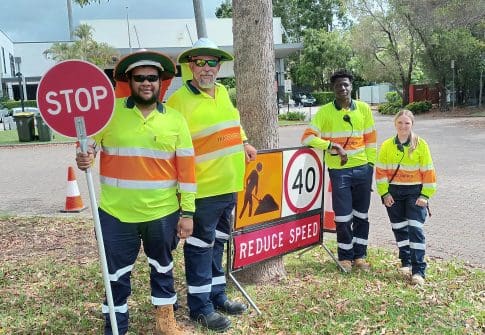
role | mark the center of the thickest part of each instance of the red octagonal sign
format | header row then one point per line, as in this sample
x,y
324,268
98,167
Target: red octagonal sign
x,y
75,88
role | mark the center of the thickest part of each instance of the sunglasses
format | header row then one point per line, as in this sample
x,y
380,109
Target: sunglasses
x,y
202,62
141,78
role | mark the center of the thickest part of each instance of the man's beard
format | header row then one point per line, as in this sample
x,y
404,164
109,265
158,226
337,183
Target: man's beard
x,y
206,83
143,101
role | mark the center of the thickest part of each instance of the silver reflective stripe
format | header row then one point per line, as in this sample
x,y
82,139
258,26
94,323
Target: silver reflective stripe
x,y
414,223
219,153
118,309
139,152
354,152
218,280
399,225
215,128
158,267
343,218
359,241
185,152
343,133
402,243
120,272
429,185
200,289
188,187
137,184
427,167
345,246
164,301
360,215
418,246
198,242
222,236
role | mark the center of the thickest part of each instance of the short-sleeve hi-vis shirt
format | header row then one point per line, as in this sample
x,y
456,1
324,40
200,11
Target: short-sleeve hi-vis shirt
x,y
217,136
144,163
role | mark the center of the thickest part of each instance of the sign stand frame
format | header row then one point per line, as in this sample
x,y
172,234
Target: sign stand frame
x,y
231,276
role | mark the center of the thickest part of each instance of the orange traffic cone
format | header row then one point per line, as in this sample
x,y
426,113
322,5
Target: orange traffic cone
x,y
74,203
328,214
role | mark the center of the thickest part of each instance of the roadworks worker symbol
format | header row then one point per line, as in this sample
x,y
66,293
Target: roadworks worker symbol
x,y
260,200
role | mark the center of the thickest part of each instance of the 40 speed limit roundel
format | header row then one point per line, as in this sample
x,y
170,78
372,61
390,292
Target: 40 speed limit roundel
x,y
302,181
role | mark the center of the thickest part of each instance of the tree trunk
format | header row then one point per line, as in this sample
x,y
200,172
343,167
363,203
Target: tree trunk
x,y
254,68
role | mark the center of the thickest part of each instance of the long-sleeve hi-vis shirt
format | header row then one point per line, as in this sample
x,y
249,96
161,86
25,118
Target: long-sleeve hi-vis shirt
x,y
145,162
217,136
358,134
414,169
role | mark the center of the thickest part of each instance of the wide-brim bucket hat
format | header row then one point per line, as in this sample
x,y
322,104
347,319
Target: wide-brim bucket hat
x,y
204,47
145,58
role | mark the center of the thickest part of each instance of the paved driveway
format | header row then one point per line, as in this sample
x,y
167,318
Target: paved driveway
x,y
33,182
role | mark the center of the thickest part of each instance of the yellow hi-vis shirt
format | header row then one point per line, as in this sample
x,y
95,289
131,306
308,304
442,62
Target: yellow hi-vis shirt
x,y
217,136
358,134
414,169
144,162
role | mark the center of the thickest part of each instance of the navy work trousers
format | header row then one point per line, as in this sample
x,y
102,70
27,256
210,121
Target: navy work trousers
x,y
351,190
407,220
122,242
203,252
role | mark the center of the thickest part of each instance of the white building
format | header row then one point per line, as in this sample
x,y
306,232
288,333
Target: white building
x,y
170,36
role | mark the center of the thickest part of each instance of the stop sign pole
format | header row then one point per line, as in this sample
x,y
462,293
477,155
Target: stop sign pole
x,y
76,99
83,142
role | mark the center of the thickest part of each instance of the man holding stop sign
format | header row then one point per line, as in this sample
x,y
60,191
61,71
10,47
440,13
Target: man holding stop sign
x,y
146,158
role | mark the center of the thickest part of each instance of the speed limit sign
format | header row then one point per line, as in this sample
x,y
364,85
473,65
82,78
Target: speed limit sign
x,y
302,181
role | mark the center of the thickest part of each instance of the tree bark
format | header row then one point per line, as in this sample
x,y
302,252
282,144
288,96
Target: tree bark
x,y
254,68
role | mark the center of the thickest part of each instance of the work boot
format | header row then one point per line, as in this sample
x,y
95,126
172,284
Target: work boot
x,y
417,279
165,321
232,307
346,265
214,321
405,271
361,264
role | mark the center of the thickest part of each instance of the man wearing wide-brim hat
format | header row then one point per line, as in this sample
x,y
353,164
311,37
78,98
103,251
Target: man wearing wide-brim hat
x,y
146,159
221,151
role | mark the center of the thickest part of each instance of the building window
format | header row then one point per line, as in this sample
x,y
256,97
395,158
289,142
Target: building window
x,y
12,65
3,61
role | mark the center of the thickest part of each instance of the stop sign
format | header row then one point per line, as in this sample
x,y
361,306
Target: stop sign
x,y
75,88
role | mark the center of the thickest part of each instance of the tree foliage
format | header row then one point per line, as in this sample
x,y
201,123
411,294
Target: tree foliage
x,y
85,48
386,47
441,26
323,53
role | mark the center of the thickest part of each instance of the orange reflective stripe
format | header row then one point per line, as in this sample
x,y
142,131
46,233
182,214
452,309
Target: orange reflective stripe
x,y
370,137
218,140
405,177
137,168
186,175
307,133
429,176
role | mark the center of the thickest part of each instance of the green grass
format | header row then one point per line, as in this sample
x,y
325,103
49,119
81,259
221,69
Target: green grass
x,y
50,283
10,137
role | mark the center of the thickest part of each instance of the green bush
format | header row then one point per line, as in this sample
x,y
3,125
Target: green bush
x,y
323,97
393,104
292,116
14,103
418,107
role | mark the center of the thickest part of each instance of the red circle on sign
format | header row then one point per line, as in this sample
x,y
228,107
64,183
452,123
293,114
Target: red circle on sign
x,y
287,172
75,88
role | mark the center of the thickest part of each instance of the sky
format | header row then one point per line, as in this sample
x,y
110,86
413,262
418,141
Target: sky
x,y
47,20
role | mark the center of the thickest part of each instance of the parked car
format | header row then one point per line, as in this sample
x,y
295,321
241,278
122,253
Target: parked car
x,y
308,100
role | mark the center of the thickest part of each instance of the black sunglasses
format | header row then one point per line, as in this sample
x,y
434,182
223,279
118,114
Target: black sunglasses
x,y
141,78
202,62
